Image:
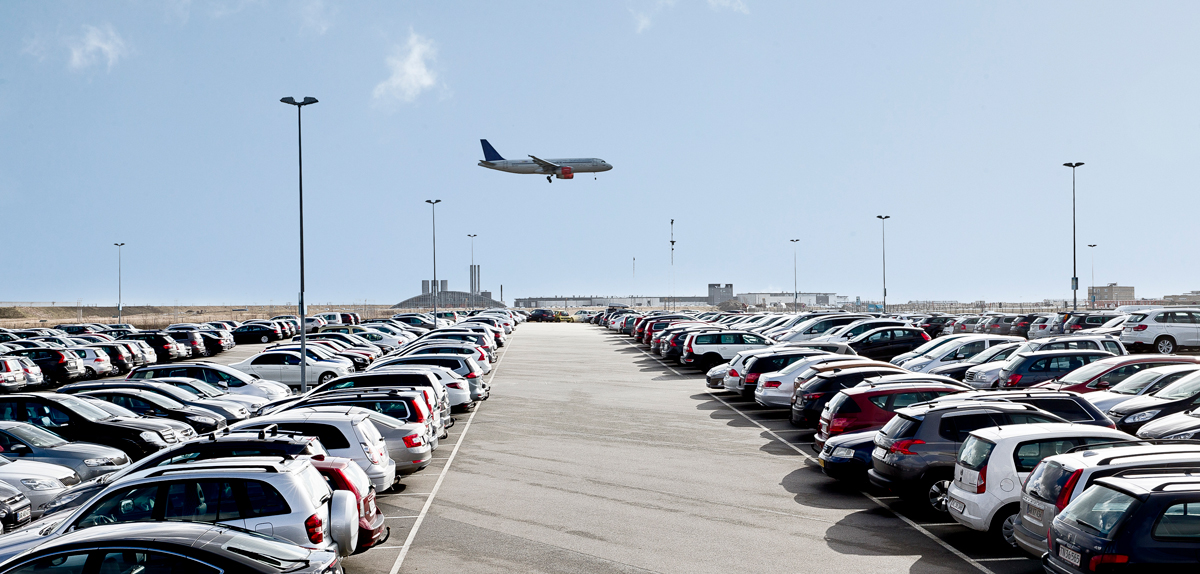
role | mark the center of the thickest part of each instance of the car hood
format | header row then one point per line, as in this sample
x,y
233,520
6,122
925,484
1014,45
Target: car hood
x,y
853,439
989,368
1170,424
18,469
952,367
140,424
84,450
1140,404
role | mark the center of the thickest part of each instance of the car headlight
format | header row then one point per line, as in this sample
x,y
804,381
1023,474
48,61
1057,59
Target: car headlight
x,y
1181,435
1142,416
98,461
152,437
63,499
202,419
256,406
843,452
41,483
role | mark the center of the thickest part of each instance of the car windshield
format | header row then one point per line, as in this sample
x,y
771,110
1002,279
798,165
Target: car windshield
x,y
1098,509
1115,321
177,393
84,409
204,388
164,402
924,350
1183,388
1135,383
1084,373
36,436
988,355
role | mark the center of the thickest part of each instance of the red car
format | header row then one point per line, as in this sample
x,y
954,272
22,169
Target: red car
x,y
871,406
345,474
1102,374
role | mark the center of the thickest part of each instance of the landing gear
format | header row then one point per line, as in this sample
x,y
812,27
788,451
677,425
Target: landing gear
x,y
549,180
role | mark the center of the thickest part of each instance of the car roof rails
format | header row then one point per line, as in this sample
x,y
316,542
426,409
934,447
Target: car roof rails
x,y
262,433
1149,471
1135,442
191,467
213,435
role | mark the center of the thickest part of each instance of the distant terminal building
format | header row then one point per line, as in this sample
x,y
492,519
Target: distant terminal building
x,y
782,299
1189,298
718,294
1112,292
630,301
446,298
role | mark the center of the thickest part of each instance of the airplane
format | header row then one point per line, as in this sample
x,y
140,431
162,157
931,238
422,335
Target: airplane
x,y
560,168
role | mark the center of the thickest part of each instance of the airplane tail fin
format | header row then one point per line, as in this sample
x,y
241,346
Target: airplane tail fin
x,y
489,152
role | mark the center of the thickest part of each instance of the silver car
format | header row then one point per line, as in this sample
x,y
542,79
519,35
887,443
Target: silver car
x,y
23,441
40,482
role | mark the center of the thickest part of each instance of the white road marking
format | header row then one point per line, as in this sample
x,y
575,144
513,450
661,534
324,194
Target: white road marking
x,y
412,533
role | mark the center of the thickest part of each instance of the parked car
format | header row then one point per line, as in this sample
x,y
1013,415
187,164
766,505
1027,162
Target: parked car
x,y
956,351
96,363
887,342
915,452
847,456
1144,382
15,509
57,365
1162,330
1072,407
23,441
231,380
256,333
1179,426
1027,369
1105,373
992,461
871,406
958,370
12,374
1182,395
813,395
343,474
926,348
284,366
165,348
77,420
150,404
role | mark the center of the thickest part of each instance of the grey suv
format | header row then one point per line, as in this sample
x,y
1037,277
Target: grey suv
x,y
915,452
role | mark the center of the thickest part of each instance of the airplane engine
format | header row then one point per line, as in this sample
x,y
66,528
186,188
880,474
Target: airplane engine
x,y
564,172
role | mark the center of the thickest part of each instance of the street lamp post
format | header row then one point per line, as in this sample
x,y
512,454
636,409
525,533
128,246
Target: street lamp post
x,y
883,223
1092,295
672,265
475,287
434,291
1074,273
120,306
300,302
795,281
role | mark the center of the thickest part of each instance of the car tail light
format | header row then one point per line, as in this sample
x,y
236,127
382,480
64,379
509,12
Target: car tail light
x,y
1012,380
752,377
812,396
733,373
925,335
62,357
982,485
689,347
471,375
1023,324
1041,326
1140,327
1096,561
370,452
168,347
1074,327
413,441
1050,537
771,384
455,385
98,360
838,424
316,529
1064,495
902,446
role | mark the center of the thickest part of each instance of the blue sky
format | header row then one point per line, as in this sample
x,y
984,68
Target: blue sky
x,y
748,122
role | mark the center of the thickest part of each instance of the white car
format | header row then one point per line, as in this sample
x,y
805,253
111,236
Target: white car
x,y
1145,382
1162,330
772,361
775,390
446,348
852,330
284,366
817,326
927,347
711,348
993,463
458,390
957,350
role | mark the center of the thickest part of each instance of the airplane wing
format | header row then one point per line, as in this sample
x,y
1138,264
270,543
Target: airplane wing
x,y
546,166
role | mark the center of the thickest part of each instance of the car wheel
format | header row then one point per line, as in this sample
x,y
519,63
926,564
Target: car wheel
x,y
1165,345
265,339
1004,524
936,492
325,378
89,373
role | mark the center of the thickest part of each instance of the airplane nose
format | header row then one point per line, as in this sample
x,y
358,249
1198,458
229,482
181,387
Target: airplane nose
x,y
607,166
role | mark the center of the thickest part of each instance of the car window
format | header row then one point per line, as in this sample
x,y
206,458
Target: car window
x,y
1065,408
730,339
1027,455
46,416
1112,347
751,340
263,500
61,563
956,428
269,359
134,504
1028,418
331,437
1179,521
201,501
705,339
879,401
1119,374
880,337
905,399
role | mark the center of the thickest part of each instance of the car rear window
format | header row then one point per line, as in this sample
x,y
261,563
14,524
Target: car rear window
x,y
975,453
1099,508
314,483
1047,481
1136,318
330,436
1065,408
842,404
901,426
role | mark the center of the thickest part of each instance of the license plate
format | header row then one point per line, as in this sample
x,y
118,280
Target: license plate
x,y
1070,556
879,452
821,462
23,514
956,505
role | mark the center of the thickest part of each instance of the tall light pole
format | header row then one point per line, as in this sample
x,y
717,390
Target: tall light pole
x,y
1074,274
120,306
795,281
883,222
300,303
476,286
434,291
672,264
1092,298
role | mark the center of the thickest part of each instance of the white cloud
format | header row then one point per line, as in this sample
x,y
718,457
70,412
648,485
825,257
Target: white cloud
x,y
316,16
410,70
97,44
643,16
735,5
35,46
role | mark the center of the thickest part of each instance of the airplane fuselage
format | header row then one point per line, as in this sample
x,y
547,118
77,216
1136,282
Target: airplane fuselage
x,y
528,166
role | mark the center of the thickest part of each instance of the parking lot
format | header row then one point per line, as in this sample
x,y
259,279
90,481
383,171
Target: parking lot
x,y
593,456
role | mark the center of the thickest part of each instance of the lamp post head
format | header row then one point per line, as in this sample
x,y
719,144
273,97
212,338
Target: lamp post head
x,y
307,100
118,244
793,240
433,201
1073,165
1091,245
472,236
883,216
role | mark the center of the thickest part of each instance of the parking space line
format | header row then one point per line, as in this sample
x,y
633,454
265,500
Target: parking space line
x,y
1006,559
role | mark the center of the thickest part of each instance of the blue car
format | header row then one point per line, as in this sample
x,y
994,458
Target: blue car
x,y
848,456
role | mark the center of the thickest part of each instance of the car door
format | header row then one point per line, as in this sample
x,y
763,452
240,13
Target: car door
x,y
289,369
268,366
1182,326
875,344
728,344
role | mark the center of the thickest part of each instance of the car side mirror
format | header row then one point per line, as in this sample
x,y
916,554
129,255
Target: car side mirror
x,y
19,448
960,356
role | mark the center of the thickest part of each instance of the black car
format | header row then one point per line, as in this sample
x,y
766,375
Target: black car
x,y
191,340
1185,425
163,344
1028,369
847,456
15,508
1180,396
77,420
1020,325
148,404
1069,405
121,358
370,381
886,342
225,444
256,333
933,325
1142,520
813,395
58,365
542,315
